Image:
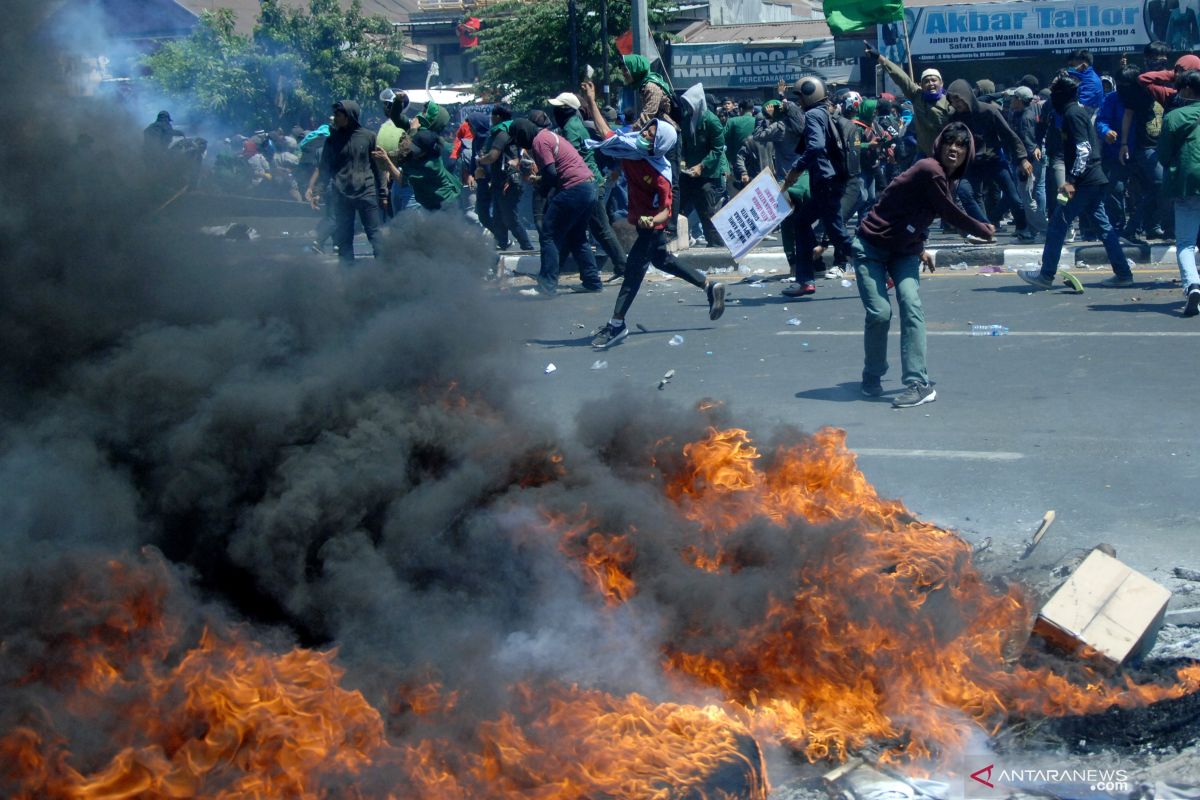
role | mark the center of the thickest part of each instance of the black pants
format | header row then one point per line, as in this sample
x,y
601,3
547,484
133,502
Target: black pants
x,y
704,196
344,209
826,208
483,206
602,232
971,191
650,248
507,199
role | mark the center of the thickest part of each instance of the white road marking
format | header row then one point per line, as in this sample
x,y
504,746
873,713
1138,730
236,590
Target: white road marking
x,y
964,455
1115,334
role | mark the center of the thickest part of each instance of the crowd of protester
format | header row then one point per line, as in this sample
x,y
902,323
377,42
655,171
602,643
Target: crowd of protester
x,y
1083,156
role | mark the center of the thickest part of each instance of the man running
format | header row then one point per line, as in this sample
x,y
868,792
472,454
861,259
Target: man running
x,y
648,173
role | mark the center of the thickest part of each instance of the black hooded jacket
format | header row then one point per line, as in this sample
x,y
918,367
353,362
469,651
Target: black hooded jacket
x,y
986,121
347,159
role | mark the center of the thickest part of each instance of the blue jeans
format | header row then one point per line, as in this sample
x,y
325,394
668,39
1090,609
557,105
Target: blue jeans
x,y
401,197
564,230
1088,202
872,266
1187,226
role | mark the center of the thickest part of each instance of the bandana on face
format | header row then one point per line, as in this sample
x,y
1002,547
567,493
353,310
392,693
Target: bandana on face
x,y
933,97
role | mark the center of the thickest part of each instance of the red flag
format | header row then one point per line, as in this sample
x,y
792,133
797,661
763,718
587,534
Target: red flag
x,y
625,43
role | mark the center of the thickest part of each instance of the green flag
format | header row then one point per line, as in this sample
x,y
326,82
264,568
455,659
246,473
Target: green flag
x,y
848,16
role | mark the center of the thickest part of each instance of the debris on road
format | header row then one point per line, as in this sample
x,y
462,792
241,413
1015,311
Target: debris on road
x,y
1047,521
794,321
550,368
666,378
600,365
1186,574
1106,610
676,340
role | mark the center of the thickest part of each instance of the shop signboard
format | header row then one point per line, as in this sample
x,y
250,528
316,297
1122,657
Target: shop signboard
x,y
1007,30
753,66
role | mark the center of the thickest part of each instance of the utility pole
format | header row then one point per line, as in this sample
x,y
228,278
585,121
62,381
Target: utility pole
x,y
604,49
574,43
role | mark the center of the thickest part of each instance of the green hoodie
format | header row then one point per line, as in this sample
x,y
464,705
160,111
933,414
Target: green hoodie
x,y
737,128
866,111
576,133
639,70
434,118
1179,151
432,184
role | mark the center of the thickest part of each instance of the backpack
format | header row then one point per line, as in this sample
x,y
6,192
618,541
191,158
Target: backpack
x,y
844,165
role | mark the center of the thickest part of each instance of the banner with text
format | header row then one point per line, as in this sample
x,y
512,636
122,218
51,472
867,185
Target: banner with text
x,y
997,30
751,214
754,66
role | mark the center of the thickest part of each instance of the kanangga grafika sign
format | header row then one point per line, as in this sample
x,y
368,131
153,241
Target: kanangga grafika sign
x,y
738,66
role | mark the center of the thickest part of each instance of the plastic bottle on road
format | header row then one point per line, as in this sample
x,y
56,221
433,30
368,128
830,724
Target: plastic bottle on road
x,y
988,330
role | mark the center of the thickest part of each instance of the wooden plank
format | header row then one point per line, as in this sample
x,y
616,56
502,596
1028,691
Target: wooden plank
x,y
1047,521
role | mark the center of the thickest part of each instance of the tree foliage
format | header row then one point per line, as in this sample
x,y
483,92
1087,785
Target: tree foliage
x,y
296,63
524,45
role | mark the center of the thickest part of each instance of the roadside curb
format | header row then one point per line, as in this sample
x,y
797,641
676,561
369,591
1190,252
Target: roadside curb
x,y
1010,257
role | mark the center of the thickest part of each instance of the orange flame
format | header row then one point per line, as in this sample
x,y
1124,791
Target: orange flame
x,y
891,636
233,721
887,635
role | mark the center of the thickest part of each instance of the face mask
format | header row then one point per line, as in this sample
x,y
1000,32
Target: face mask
x,y
932,97
645,145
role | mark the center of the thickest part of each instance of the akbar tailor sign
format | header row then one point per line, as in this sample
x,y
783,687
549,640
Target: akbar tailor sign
x,y
995,30
754,66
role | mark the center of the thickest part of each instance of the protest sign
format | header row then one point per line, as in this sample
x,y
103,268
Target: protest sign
x,y
751,214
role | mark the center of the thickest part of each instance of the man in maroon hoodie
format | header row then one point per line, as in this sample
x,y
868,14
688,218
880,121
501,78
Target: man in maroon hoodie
x,y
891,243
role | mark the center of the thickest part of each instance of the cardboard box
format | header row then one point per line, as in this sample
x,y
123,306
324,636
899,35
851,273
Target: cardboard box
x,y
1105,607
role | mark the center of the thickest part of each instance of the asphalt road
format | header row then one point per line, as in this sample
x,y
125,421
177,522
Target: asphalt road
x,y
1087,407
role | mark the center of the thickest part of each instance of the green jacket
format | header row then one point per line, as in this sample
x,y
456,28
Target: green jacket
x,y
736,130
1179,151
432,184
706,147
576,133
929,118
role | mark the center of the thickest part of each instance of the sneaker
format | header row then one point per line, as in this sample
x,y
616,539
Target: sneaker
x,y
834,273
973,239
534,292
1193,301
1026,235
800,289
586,289
871,386
1134,239
1034,277
716,300
915,394
608,336
1156,233
1117,281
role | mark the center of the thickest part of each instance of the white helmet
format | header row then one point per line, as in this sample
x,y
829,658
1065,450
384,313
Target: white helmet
x,y
851,103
